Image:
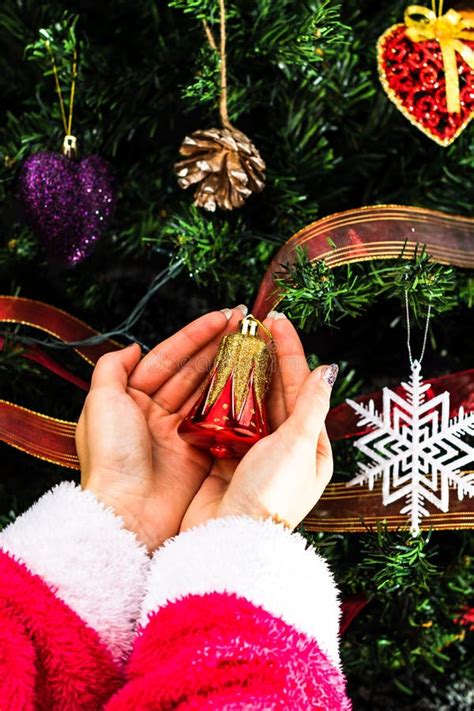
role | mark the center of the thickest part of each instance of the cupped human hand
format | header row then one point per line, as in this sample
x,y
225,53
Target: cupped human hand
x,y
131,455
283,475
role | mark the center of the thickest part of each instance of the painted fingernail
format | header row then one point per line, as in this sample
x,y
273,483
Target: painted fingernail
x,y
272,314
279,315
330,374
242,308
227,313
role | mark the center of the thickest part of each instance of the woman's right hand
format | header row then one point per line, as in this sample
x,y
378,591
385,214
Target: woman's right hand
x,y
283,475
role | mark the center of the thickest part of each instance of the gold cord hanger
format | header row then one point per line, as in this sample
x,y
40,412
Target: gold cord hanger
x,y
70,141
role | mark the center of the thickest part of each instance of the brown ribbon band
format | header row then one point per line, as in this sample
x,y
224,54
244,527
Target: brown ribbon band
x,y
368,233
356,509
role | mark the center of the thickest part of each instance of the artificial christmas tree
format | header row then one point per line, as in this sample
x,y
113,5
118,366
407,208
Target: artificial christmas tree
x,y
303,84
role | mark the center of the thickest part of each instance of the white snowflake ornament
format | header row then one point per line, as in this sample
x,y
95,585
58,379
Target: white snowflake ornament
x,y
416,448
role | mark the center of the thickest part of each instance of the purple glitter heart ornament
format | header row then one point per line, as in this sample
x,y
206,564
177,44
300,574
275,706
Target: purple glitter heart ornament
x,y
68,203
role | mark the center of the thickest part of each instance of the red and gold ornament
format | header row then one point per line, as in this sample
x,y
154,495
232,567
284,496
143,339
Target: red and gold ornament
x,y
426,66
222,163
230,415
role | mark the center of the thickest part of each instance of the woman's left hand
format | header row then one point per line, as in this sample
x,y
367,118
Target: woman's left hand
x,y
283,475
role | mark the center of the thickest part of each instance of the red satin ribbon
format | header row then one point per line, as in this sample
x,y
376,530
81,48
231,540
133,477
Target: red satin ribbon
x,y
56,323
368,233
35,354
32,432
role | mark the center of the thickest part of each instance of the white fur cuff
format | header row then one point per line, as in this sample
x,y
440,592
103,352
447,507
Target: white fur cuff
x,y
82,550
258,560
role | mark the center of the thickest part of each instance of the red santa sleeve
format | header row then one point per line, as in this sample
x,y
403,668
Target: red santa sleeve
x,y
72,581
239,614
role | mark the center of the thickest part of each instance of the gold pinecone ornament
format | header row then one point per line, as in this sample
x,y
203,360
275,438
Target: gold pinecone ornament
x,y
222,163
225,166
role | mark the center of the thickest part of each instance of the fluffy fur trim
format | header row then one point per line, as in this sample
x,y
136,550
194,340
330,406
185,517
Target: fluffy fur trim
x,y
258,560
83,551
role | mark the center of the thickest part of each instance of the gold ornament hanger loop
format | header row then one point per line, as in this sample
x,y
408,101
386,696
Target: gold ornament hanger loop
x,y
69,147
249,325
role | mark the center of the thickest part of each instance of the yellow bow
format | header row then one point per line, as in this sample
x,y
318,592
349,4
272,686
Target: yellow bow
x,y
449,30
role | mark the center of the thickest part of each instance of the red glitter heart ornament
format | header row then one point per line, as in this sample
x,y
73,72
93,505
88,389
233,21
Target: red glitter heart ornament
x,y
413,76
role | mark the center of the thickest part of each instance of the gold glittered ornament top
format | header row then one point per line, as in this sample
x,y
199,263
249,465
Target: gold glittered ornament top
x,y
246,357
222,163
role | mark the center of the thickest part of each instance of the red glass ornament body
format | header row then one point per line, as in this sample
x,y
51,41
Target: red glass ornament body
x,y
230,414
